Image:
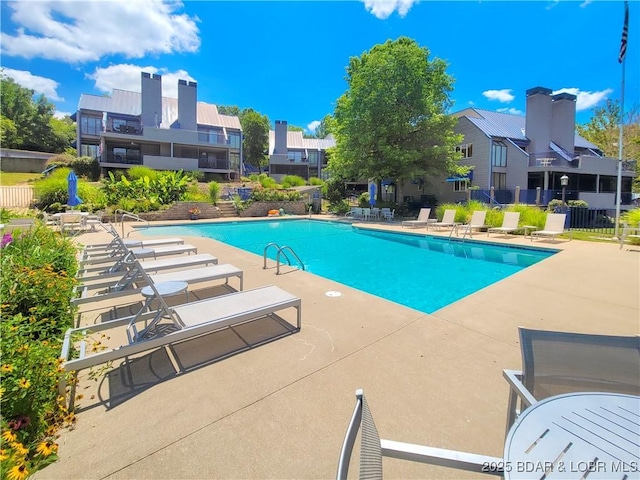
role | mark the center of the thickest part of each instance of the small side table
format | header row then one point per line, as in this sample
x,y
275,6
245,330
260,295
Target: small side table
x,y
165,289
528,229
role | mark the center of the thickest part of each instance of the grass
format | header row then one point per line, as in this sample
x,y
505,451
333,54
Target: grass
x,y
8,179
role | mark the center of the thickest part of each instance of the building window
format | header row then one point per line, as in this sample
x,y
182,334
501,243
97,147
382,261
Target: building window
x,y
234,139
211,135
608,183
90,125
313,157
466,150
460,185
294,156
234,161
499,180
89,151
499,154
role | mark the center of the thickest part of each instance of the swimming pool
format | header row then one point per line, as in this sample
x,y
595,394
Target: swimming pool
x,y
418,271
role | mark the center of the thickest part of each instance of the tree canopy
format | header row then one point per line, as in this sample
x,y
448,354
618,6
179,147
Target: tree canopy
x,y
29,124
255,130
603,129
392,121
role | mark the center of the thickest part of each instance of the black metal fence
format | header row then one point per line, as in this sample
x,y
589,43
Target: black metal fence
x,y
591,220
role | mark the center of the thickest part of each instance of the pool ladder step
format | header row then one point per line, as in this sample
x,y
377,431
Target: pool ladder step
x,y
281,251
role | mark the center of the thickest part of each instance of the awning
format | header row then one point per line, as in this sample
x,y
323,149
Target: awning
x,y
386,182
460,178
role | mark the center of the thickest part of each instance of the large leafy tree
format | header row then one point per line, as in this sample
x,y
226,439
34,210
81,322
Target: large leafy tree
x,y
29,124
255,130
392,121
324,128
603,129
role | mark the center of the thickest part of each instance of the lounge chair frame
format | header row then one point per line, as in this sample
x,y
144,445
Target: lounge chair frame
x,y
226,311
553,226
421,221
509,224
448,220
372,449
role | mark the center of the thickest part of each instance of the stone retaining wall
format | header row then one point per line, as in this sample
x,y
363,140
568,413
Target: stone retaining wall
x,y
261,209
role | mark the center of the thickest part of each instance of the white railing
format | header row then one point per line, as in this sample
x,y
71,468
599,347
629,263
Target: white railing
x,y
16,197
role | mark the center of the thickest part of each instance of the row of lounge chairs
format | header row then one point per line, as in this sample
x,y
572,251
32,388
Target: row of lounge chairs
x,y
554,224
114,270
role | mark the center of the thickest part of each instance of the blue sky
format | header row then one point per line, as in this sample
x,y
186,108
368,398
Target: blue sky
x,y
287,59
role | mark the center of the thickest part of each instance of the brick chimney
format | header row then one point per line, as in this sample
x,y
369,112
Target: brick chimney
x,y
187,105
151,105
563,121
538,119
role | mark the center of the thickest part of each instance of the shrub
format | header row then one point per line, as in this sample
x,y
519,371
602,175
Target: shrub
x,y
334,191
214,192
339,208
38,270
632,217
461,211
270,195
363,200
88,167
134,173
53,190
289,181
316,181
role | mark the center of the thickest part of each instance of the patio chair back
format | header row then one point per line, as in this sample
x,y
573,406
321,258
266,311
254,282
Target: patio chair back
x,y
555,222
449,216
511,220
560,362
477,218
423,216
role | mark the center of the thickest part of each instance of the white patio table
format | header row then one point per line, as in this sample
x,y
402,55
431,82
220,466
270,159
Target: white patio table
x,y
577,435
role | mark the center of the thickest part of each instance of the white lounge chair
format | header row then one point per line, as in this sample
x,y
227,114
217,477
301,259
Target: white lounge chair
x,y
421,221
553,226
88,272
72,222
187,321
628,232
448,220
509,224
476,223
137,278
119,244
388,214
372,449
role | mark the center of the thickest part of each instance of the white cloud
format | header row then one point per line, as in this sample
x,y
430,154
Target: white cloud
x,y
43,85
127,77
512,111
382,9
503,95
313,125
586,100
59,114
75,32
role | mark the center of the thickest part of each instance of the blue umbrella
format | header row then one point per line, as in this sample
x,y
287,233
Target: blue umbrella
x,y
372,194
72,188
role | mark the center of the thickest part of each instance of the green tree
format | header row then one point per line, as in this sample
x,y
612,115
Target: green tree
x,y
324,128
255,130
392,121
35,126
603,130
233,110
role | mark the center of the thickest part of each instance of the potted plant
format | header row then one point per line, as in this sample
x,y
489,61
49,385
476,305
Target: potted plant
x,y
194,212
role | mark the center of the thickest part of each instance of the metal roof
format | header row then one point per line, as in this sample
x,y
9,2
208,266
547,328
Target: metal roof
x,y
125,102
296,140
506,125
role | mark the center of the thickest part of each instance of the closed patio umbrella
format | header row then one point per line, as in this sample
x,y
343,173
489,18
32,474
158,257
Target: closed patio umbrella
x,y
72,188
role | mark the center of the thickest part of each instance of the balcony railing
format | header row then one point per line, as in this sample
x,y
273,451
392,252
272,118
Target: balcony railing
x,y
213,163
119,158
552,160
125,129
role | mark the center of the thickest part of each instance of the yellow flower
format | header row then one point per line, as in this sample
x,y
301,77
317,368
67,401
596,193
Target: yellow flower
x,y
7,368
19,472
1,392
47,448
8,436
24,383
3,454
19,448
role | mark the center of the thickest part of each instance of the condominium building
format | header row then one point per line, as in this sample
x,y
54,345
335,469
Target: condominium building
x,y
130,128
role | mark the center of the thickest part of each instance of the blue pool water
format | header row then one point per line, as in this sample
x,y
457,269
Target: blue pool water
x,y
418,271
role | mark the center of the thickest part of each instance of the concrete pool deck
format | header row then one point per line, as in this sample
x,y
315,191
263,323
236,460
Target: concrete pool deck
x,y
281,410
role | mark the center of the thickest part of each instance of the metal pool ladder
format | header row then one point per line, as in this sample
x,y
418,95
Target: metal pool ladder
x,y
281,250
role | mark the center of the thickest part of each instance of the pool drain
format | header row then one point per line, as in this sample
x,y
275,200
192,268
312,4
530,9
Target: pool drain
x,y
333,293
